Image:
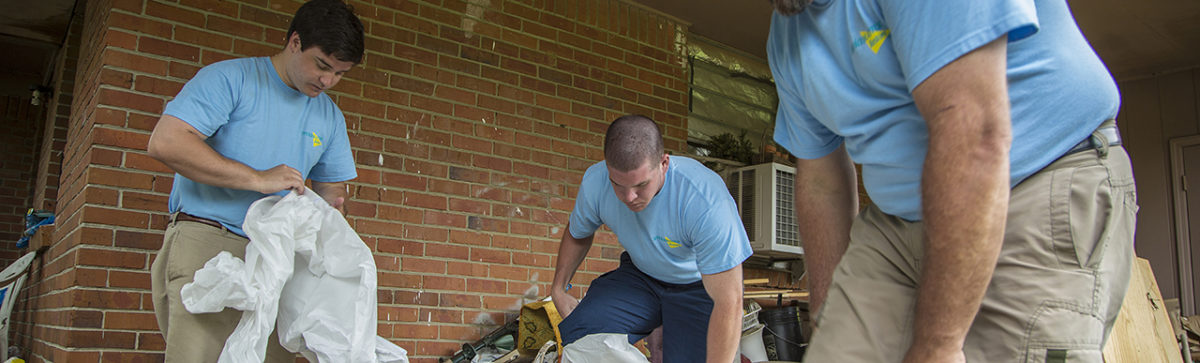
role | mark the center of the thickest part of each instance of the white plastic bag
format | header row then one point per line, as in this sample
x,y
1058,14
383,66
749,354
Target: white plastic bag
x,y
307,267
602,348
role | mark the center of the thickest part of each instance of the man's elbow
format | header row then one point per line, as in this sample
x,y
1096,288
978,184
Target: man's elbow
x,y
156,149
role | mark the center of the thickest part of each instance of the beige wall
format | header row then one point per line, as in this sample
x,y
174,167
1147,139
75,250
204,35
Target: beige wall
x,y
1155,110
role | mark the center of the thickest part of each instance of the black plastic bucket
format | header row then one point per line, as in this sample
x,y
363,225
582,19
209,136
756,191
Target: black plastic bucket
x,y
782,331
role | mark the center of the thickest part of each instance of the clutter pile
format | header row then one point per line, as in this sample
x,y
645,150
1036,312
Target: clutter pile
x,y
533,337
1191,328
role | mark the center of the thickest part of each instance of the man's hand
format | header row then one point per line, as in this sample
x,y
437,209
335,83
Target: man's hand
x,y
333,193
563,302
281,177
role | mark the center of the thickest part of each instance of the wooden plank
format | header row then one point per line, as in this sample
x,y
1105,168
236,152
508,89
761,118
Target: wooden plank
x,y
755,281
1143,330
801,294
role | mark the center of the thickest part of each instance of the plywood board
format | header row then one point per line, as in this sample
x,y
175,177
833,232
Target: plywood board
x,y
1143,330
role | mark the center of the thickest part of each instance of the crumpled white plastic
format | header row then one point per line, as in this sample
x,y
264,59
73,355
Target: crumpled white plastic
x,y
306,273
602,348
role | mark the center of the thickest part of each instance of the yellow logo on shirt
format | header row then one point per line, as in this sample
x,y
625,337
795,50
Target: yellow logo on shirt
x,y
668,241
873,37
316,141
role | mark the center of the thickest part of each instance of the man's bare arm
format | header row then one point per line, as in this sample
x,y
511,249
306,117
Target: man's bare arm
x,y
725,323
826,204
178,145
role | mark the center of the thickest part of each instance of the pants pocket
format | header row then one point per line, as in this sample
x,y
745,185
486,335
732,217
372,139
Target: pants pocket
x,y
1064,355
1081,211
1061,333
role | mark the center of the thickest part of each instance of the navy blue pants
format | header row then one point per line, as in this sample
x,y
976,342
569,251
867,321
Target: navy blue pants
x,y
627,301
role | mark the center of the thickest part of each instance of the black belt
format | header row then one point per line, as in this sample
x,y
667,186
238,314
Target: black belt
x,y
1110,134
184,217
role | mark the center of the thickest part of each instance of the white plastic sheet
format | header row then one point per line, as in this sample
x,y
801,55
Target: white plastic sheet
x,y
306,273
602,348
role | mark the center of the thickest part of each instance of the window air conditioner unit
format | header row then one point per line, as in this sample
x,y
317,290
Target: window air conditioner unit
x,y
765,196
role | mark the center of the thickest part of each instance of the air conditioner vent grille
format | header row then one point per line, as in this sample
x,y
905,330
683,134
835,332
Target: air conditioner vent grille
x,y
765,195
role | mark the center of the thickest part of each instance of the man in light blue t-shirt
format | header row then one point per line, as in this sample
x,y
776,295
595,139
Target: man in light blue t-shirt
x,y
238,131
1003,208
684,246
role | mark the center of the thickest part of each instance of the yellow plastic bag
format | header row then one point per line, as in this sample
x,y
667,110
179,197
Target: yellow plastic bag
x,y
539,324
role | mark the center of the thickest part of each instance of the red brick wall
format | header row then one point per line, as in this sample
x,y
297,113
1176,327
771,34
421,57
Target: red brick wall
x,y
21,122
471,123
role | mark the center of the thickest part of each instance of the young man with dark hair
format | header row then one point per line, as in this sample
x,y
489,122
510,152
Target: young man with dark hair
x,y
238,131
684,246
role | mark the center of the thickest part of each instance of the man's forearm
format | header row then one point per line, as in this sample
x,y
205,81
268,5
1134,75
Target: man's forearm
x,y
724,332
965,211
725,321
826,203
964,196
571,252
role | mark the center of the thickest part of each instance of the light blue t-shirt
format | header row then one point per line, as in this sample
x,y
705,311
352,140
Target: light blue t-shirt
x,y
691,227
845,71
251,116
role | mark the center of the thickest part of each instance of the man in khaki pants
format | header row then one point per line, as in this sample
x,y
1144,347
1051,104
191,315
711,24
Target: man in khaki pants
x,y
238,131
1004,207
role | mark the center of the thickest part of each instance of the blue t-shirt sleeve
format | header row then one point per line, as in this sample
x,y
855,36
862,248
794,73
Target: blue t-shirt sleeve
x,y
718,237
585,218
337,162
927,35
795,128
207,100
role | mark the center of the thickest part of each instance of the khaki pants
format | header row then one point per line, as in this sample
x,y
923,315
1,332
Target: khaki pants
x,y
196,337
1058,285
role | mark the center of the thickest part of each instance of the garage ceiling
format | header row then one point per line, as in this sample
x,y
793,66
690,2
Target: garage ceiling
x,y
1135,38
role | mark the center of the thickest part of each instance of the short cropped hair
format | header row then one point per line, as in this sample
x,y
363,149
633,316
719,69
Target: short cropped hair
x,y
632,141
330,25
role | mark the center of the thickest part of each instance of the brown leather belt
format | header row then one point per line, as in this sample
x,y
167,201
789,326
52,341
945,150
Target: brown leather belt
x,y
184,217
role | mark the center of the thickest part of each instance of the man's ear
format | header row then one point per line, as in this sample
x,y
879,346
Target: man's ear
x,y
293,42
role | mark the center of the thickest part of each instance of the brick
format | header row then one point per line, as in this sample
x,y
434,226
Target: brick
x,y
472,144
129,279
219,7
447,251
130,100
442,283
143,201
486,286
90,277
116,78
412,264
116,217
139,24
148,241
136,63
108,258
490,256
468,206
119,178
410,248
469,269
455,94
492,163
431,105
116,39
88,298
460,301
174,14
235,28
121,320
272,19
157,86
